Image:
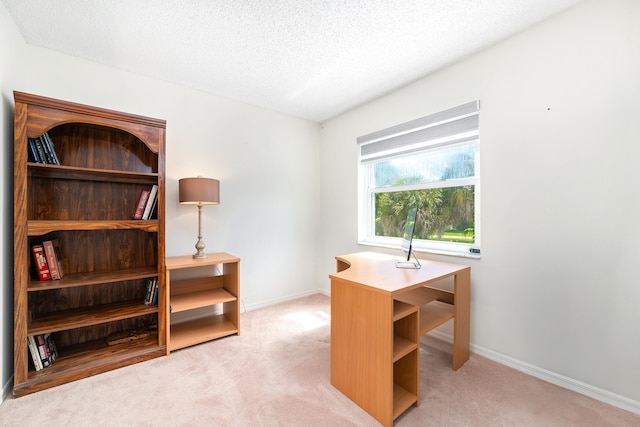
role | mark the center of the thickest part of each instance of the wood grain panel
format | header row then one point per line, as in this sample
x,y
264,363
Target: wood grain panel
x,y
21,250
102,148
362,346
68,199
45,113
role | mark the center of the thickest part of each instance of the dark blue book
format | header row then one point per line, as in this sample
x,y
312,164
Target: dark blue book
x,y
33,155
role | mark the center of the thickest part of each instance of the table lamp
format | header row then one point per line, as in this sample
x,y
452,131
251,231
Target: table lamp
x,y
199,191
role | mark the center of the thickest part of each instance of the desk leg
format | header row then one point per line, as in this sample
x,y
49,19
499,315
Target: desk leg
x,y
462,318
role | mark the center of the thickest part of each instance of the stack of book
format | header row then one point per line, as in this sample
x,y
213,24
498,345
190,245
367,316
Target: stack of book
x,y
146,203
42,150
151,297
48,260
43,350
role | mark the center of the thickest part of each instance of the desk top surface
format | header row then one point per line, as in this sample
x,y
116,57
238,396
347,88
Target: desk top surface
x,y
379,271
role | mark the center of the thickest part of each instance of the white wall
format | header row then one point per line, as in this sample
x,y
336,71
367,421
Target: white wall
x,y
267,164
556,291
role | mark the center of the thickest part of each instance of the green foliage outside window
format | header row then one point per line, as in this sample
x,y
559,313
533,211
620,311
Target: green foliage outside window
x,y
444,214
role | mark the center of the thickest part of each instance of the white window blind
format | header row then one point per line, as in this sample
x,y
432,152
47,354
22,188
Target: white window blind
x,y
445,128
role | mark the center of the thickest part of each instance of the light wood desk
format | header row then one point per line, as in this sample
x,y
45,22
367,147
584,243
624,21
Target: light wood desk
x,y
378,313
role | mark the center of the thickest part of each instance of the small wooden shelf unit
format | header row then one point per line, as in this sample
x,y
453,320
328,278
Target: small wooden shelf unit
x,y
86,202
210,291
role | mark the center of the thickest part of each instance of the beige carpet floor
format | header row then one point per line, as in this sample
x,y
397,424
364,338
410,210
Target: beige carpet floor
x,y
276,373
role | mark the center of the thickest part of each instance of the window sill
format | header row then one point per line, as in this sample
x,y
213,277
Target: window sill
x,y
418,250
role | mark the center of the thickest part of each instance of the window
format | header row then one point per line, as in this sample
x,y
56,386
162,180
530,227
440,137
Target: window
x,y
432,163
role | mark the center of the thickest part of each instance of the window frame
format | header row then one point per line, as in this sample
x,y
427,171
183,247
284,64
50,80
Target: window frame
x,y
367,192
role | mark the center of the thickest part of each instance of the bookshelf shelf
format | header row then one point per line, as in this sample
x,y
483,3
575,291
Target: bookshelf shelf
x,y
92,278
85,201
89,174
88,316
94,357
38,228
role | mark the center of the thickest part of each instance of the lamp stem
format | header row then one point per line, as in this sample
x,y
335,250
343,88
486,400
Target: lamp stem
x,y
200,244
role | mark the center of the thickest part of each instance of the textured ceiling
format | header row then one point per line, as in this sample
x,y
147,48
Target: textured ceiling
x,y
309,58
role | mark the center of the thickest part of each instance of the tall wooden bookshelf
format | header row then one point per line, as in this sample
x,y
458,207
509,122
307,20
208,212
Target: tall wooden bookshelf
x,y
86,202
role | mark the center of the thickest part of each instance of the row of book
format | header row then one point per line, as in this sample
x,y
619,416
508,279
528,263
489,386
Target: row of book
x,y
42,150
151,297
146,203
48,260
43,350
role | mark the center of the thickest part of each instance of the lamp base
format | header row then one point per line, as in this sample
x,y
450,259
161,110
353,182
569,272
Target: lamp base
x,y
200,249
200,255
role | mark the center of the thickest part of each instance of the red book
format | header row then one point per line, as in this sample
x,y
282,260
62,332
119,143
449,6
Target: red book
x,y
142,203
41,262
52,259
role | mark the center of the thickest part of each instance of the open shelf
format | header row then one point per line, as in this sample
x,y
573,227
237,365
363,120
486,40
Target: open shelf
x,y
89,174
92,278
402,400
199,299
88,316
436,306
405,356
41,227
90,359
402,309
197,331
433,315
402,347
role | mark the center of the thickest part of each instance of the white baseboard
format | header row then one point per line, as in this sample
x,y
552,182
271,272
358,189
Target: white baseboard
x,y
273,301
551,377
7,388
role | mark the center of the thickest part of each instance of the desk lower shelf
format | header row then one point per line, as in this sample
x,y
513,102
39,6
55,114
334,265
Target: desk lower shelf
x,y
434,314
200,330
